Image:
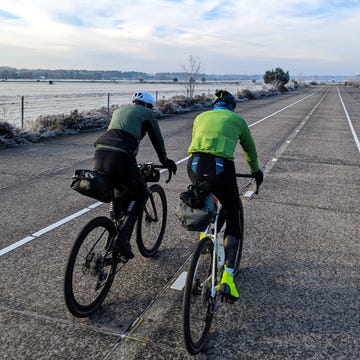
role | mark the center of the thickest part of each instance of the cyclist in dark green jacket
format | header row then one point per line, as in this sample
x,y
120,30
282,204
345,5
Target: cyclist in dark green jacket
x,y
116,152
215,135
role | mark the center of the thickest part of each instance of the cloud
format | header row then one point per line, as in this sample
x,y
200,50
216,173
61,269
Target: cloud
x,y
308,36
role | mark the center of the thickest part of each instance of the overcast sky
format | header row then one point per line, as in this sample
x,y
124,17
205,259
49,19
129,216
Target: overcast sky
x,y
304,37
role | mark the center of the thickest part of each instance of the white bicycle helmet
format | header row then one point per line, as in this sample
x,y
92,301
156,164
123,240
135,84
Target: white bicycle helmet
x,y
143,97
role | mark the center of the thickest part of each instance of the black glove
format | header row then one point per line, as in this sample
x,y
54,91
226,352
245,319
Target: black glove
x,y
170,165
259,177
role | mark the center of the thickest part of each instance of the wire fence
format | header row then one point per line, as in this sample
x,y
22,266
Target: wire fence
x,y
20,110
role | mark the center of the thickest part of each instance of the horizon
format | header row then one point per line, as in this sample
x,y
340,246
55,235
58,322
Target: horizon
x,y
302,37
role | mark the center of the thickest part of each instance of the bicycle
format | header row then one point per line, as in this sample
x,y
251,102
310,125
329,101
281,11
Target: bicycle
x,y
94,261
204,273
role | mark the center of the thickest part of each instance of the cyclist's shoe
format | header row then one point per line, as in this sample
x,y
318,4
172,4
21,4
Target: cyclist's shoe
x,y
227,288
124,248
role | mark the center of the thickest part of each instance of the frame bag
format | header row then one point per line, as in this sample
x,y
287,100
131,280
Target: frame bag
x,y
94,184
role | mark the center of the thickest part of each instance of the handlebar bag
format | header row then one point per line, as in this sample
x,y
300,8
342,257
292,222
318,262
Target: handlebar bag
x,y
93,184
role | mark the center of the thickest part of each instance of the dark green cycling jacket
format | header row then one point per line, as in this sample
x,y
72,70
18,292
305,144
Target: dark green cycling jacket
x,y
217,132
129,124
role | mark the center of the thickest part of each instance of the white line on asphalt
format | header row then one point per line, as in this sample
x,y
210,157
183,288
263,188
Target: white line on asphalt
x,y
179,283
357,142
249,193
95,205
17,244
43,231
61,222
286,107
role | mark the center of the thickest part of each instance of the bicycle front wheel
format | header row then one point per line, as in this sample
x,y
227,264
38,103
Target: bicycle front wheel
x,y
198,309
152,222
91,267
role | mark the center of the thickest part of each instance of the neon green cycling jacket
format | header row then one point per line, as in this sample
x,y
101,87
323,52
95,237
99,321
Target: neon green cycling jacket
x,y
217,132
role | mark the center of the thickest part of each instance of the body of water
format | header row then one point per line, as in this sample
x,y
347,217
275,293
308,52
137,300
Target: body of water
x,y
27,100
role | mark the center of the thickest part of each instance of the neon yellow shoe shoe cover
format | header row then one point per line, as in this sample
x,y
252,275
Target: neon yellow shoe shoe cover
x,y
227,287
202,235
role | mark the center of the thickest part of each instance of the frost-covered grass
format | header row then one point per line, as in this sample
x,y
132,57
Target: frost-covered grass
x,y
75,122
355,82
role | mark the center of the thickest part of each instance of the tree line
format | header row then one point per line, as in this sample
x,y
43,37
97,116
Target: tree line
x,y
10,73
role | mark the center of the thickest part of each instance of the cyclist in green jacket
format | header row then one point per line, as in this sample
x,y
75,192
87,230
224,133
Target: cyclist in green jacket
x,y
214,137
116,152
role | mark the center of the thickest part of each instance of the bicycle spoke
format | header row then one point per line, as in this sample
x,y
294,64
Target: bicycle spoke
x,y
91,268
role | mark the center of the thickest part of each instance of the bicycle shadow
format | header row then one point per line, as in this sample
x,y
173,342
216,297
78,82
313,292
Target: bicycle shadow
x,y
135,287
301,309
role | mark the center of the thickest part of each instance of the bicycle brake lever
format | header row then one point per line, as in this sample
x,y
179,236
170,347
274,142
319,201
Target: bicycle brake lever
x,y
169,177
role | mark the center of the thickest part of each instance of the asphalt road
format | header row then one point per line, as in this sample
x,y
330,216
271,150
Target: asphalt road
x,y
300,273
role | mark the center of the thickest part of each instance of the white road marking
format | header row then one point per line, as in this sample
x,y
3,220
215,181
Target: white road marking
x,y
249,193
43,231
61,222
95,205
357,142
279,111
179,283
17,244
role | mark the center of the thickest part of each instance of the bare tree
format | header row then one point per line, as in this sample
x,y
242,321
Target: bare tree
x,y
191,74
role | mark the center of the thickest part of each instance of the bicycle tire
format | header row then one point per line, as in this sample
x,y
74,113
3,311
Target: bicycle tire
x,y
241,240
91,267
151,223
198,308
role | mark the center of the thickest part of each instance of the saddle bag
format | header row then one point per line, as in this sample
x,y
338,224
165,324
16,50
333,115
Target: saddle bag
x,y
93,184
196,209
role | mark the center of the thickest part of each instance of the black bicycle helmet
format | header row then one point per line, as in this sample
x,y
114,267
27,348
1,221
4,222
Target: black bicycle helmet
x,y
225,99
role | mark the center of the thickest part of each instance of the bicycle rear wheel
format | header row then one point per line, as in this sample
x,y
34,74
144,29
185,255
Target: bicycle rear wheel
x,y
91,267
198,308
152,222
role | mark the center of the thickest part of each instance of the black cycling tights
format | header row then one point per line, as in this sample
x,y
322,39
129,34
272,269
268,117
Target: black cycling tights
x,y
123,171
220,173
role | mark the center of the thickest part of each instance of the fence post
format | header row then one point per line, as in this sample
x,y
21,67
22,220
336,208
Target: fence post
x,y
22,112
108,106
156,96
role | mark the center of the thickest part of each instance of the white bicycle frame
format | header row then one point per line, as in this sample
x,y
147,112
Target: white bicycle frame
x,y
218,260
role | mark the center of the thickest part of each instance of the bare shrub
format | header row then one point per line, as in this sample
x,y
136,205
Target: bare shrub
x,y
74,122
11,135
248,94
